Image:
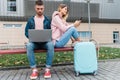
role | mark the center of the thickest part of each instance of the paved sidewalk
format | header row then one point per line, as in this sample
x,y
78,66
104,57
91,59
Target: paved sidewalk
x,y
107,70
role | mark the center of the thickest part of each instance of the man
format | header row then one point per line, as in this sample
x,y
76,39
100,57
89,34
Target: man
x,y
39,21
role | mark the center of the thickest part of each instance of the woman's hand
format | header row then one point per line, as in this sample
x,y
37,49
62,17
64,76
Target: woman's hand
x,y
77,23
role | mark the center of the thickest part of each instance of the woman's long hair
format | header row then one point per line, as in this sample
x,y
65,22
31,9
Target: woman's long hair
x,y
62,6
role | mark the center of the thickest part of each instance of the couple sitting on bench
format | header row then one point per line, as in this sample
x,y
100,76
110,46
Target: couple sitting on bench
x,y
61,33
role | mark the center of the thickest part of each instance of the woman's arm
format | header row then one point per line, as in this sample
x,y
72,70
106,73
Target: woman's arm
x,y
57,21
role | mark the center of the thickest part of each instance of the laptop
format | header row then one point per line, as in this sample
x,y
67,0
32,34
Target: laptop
x,y
40,35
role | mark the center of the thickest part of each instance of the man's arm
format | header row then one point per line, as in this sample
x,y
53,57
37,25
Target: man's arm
x,y
47,23
30,25
26,28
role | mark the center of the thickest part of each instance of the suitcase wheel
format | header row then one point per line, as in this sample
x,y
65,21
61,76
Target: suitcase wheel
x,y
95,73
77,74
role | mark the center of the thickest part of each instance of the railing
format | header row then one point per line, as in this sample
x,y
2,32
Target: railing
x,y
4,45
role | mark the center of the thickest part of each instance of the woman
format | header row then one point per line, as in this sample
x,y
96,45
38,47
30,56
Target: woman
x,y
61,30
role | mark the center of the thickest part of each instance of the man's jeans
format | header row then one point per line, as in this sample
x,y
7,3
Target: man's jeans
x,y
71,32
45,45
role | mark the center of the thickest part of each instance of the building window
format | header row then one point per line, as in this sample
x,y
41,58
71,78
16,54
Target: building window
x,y
18,25
115,36
67,0
12,25
11,5
54,0
110,1
85,34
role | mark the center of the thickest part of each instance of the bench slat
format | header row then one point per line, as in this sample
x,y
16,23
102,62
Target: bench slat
x,y
23,51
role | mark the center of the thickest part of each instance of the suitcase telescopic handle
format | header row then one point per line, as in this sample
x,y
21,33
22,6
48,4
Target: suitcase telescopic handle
x,y
97,46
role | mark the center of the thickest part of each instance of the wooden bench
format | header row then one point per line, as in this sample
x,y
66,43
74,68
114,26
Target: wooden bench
x,y
23,51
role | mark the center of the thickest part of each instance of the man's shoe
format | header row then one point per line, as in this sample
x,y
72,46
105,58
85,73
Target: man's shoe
x,y
47,73
34,75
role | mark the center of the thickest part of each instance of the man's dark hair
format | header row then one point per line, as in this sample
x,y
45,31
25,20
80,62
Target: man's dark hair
x,y
39,2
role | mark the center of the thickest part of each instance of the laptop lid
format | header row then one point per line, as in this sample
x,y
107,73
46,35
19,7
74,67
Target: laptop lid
x,y
40,35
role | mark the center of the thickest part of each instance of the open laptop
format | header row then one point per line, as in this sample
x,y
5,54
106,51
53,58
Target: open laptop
x,y
40,35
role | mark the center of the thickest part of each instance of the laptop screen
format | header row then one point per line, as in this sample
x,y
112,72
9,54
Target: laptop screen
x,y
40,35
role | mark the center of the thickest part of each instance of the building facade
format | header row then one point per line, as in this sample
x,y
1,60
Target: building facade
x,y
104,27
12,8
99,9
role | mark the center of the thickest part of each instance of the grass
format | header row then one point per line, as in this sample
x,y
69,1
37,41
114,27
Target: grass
x,y
66,57
21,59
109,53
